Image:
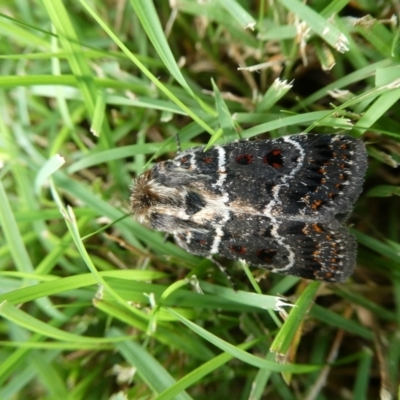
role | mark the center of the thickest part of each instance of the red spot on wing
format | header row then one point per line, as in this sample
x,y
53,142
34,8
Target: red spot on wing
x,y
266,255
238,249
244,159
274,158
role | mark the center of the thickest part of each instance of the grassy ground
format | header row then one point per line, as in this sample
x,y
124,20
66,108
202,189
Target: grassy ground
x,y
95,306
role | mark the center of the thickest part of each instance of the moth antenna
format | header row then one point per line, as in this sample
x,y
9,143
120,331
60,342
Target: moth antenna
x,y
224,270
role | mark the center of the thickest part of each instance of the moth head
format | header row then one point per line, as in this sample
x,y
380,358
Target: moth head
x,y
148,196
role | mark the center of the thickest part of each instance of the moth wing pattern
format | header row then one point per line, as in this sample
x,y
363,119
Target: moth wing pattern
x,y
304,173
277,204
322,251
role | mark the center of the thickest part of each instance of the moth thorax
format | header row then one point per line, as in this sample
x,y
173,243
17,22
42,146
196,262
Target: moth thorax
x,y
148,196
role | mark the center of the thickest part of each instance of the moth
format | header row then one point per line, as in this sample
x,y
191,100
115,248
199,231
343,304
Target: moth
x,y
278,204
